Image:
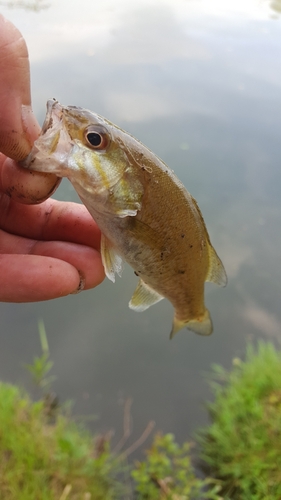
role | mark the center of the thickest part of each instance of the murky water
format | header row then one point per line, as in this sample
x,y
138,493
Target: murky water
x,y
200,84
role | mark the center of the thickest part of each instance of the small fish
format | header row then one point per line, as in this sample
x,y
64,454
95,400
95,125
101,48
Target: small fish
x,y
145,214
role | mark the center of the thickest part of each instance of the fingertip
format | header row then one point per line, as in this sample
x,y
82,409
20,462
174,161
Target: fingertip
x,y
18,131
95,274
25,186
86,260
33,278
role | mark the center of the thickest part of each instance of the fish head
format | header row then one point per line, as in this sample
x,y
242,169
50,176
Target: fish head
x,y
84,147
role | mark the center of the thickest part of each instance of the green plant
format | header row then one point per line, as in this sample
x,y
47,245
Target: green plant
x,y
242,446
43,454
42,365
167,473
51,462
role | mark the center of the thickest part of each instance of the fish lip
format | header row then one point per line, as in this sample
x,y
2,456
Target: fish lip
x,y
53,120
54,109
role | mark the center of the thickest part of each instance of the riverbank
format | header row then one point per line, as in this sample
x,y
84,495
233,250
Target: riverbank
x,y
45,455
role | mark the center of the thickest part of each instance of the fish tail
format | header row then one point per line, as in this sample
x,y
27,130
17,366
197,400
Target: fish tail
x,y
201,325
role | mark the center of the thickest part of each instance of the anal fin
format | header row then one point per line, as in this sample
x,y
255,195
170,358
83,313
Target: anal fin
x,y
144,297
112,261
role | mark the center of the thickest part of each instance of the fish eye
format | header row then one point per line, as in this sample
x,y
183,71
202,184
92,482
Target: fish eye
x,y
94,139
97,137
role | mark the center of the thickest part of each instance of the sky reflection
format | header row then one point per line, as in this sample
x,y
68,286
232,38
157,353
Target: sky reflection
x,y
198,82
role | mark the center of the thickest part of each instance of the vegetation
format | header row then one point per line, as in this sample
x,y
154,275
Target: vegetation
x,y
167,474
44,454
242,446
50,461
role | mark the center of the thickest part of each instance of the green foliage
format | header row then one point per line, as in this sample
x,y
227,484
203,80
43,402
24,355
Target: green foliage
x,y
41,365
43,454
167,473
50,462
242,446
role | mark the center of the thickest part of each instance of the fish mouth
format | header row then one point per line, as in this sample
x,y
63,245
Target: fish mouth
x,y
50,151
54,113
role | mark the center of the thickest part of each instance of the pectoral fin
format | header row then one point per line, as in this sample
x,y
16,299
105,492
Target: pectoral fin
x,y
202,325
127,212
112,262
126,195
144,297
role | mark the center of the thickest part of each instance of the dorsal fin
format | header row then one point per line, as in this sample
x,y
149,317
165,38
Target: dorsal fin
x,y
216,271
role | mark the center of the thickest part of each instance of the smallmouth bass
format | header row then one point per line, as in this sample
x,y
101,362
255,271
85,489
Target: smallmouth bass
x,y
145,214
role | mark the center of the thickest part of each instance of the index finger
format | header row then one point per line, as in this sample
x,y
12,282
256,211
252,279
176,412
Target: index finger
x,y
51,220
16,136
18,126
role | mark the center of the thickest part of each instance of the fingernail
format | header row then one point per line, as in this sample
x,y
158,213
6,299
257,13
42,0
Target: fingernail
x,y
29,122
81,285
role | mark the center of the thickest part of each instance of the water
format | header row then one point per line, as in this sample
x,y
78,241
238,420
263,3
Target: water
x,y
199,83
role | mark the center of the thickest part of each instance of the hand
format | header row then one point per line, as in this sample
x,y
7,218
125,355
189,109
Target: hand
x,y
47,250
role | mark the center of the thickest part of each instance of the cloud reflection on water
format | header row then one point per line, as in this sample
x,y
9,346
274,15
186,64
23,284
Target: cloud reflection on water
x,y
200,84
263,320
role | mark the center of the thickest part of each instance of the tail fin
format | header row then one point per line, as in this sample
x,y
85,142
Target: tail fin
x,y
202,325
